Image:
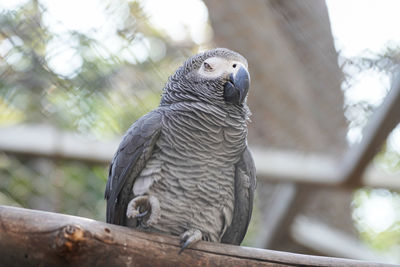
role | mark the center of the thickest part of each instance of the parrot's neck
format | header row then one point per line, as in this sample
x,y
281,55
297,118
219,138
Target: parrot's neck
x,y
206,129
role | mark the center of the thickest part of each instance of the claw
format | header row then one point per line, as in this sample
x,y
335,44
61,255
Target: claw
x,y
151,212
141,215
188,238
185,245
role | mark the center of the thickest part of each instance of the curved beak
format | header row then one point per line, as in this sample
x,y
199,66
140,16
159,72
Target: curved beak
x,y
236,88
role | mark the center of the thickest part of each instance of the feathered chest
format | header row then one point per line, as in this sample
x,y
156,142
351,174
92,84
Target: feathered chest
x,y
203,133
192,169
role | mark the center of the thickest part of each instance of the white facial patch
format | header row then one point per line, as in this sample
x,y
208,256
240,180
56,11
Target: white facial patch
x,y
215,67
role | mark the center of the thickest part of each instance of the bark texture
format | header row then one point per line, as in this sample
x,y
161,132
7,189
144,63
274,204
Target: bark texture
x,y
37,238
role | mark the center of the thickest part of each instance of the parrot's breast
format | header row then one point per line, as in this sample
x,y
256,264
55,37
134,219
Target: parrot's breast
x,y
192,169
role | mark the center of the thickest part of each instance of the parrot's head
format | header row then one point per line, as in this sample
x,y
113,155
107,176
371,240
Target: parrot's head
x,y
214,76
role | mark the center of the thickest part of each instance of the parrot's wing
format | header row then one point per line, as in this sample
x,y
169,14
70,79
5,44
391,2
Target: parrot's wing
x,y
245,184
129,160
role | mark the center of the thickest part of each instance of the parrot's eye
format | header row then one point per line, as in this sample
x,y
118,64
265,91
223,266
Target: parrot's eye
x,y
217,67
207,66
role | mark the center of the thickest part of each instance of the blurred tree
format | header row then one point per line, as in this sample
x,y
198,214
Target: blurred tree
x,y
73,80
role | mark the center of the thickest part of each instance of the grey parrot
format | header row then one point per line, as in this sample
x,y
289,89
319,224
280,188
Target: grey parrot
x,y
185,168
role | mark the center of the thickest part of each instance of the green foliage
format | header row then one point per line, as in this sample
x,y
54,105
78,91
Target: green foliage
x,y
72,79
61,186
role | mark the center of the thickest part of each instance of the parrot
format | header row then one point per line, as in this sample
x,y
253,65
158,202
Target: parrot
x,y
185,168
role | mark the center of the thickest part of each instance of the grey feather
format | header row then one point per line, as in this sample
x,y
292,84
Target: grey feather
x,y
245,185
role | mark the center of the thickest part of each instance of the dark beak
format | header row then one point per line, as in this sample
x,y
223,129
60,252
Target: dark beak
x,y
235,90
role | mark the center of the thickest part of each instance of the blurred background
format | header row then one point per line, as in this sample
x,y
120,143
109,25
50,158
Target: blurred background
x,y
74,75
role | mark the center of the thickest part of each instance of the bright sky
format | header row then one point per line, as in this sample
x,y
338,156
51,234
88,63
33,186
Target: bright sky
x,y
378,210
189,18
362,28
360,25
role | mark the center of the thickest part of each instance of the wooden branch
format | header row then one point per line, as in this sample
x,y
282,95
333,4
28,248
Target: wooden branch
x,y
296,167
47,141
322,170
275,165
32,238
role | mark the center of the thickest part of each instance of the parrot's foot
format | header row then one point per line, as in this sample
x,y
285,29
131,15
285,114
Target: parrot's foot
x,y
145,208
189,237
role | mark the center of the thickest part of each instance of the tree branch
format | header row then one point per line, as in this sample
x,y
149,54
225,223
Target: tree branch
x,y
32,238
